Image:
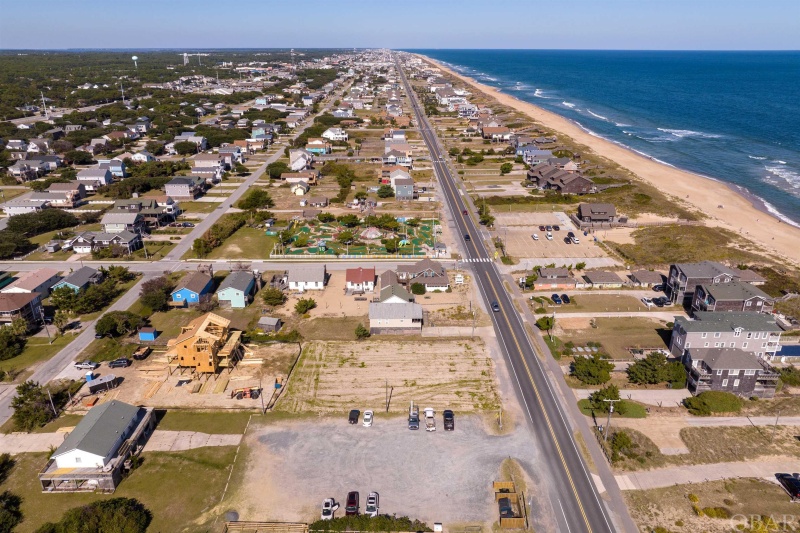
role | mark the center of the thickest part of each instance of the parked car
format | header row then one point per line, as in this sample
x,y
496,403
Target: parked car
x,y
548,228
660,302
371,509
329,507
570,234
549,236
556,228
535,237
413,417
556,299
86,365
98,335
506,511
449,420
541,228
188,225
790,483
430,419
658,288
567,240
367,418
353,417
576,240
495,307
648,302
119,363
565,299
351,508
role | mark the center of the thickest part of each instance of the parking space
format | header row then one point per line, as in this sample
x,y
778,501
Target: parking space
x,y
435,477
520,244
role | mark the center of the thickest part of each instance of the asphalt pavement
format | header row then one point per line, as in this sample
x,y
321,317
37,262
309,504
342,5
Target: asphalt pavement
x,y
573,493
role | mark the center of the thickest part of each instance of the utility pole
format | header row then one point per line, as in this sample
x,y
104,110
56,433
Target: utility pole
x,y
52,406
775,427
473,323
610,410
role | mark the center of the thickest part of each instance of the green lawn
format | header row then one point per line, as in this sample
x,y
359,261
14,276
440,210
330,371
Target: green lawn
x,y
212,422
246,243
107,349
632,410
177,487
156,250
8,194
123,288
199,207
36,349
618,334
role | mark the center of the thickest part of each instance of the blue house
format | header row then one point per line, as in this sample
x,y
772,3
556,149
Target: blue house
x,y
79,280
236,289
191,289
148,334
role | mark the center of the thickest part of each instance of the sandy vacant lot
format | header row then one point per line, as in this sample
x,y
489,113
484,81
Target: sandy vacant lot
x,y
338,376
436,477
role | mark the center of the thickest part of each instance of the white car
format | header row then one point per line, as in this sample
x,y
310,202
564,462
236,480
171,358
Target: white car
x,y
648,302
329,507
549,236
367,419
372,504
535,236
86,365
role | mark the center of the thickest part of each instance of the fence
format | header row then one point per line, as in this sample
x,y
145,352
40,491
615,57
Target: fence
x,y
344,257
265,527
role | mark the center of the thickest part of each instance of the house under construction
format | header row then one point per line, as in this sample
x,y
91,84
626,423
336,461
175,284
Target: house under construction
x,y
207,344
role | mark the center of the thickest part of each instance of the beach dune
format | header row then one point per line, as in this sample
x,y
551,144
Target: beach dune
x,y
745,216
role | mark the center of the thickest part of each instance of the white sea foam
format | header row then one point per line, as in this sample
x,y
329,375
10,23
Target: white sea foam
x,y
538,93
601,117
568,104
780,162
789,176
757,158
773,210
621,125
689,133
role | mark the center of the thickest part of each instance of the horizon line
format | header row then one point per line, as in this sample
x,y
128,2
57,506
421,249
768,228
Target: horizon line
x,y
358,48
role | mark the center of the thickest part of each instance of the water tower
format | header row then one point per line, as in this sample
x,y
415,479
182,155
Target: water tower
x,y
135,59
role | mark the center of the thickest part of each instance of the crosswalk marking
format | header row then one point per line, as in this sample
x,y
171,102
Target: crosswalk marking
x,y
476,260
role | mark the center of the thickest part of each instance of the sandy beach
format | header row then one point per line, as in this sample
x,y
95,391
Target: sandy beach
x,y
747,217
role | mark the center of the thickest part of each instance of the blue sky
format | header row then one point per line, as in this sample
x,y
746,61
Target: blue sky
x,y
582,24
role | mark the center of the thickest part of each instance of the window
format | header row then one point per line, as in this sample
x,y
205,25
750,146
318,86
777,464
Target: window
x,y
763,344
749,372
735,383
737,332
732,345
724,382
178,296
687,345
716,345
705,345
719,372
748,304
733,372
744,344
704,335
749,335
717,335
78,460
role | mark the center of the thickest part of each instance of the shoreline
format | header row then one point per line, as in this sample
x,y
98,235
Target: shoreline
x,y
743,212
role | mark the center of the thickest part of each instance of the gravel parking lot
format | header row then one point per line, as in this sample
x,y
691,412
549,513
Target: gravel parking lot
x,y
436,477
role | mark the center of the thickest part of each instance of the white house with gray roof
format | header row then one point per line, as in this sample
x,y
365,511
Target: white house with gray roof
x,y
395,318
752,332
311,277
92,456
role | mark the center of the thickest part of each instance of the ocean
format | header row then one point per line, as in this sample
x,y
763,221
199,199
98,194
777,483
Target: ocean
x,y
730,116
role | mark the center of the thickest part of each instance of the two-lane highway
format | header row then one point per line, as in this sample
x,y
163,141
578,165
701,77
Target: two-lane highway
x,y
575,500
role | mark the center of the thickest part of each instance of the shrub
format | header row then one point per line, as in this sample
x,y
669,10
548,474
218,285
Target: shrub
x,y
118,323
709,402
121,515
32,224
418,289
717,512
540,310
790,375
693,498
304,305
592,370
361,331
256,198
273,296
